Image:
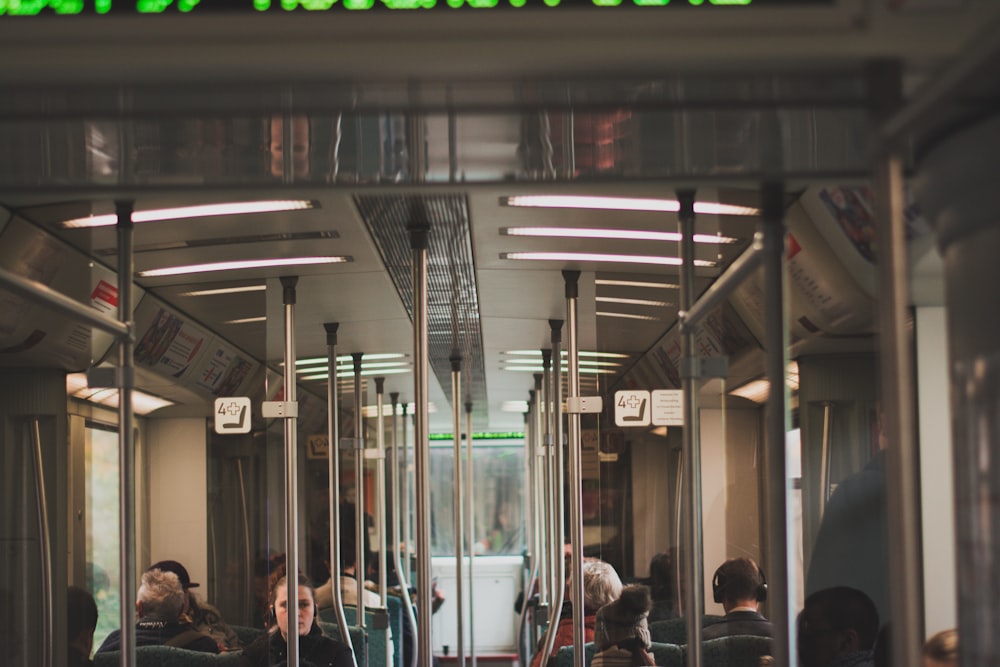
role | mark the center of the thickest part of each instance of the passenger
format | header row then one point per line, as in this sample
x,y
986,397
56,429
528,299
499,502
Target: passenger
x,y
739,586
159,605
81,621
941,650
661,587
315,648
621,633
851,548
200,614
348,580
837,628
601,586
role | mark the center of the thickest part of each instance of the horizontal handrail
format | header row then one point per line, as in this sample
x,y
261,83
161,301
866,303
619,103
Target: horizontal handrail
x,y
743,266
62,303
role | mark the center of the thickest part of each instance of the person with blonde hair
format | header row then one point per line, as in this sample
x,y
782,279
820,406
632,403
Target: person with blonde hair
x,y
601,586
941,650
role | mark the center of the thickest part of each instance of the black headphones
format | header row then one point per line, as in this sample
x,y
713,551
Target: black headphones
x,y
720,581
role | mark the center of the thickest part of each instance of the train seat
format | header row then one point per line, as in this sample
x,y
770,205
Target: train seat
x,y
358,638
169,656
247,634
674,630
665,655
734,651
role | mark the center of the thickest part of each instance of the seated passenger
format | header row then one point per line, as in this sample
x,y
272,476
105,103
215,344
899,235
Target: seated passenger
x,y
159,604
200,614
601,585
941,650
315,648
81,621
621,633
837,628
739,586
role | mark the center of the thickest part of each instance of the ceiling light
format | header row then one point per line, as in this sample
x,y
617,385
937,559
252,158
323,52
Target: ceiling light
x,y
628,316
242,264
660,260
582,362
198,211
624,234
226,290
539,369
633,302
636,283
142,403
623,204
348,357
375,371
246,320
514,406
581,353
349,368
758,390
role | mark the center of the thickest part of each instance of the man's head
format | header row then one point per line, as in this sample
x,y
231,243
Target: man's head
x,y
601,585
81,619
160,596
739,582
835,622
178,569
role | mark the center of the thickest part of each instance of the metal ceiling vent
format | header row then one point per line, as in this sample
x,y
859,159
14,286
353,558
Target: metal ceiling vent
x,y
452,292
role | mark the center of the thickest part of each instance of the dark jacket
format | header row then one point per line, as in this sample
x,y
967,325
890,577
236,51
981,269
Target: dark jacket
x,y
163,633
739,623
315,650
76,659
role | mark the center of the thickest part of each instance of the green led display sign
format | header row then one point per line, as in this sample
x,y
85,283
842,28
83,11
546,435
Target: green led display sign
x,y
98,7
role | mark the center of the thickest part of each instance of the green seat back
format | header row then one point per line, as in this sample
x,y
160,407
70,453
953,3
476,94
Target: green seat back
x,y
735,651
564,656
674,630
169,656
247,634
359,639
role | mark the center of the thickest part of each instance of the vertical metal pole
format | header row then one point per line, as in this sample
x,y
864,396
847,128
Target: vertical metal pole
x,y
557,449
776,424
541,554
126,433
41,498
692,437
333,468
456,391
824,461
291,472
906,591
575,464
406,494
402,574
360,523
383,582
419,232
556,587
470,519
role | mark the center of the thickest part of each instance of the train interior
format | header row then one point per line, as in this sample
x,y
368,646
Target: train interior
x,y
526,158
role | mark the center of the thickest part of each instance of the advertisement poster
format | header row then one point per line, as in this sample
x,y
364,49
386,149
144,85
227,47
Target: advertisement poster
x,y
222,370
170,343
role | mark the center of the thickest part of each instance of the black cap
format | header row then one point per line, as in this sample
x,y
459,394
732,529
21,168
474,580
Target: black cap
x,y
176,568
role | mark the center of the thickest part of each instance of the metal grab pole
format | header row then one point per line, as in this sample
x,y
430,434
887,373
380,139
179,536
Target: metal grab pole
x,y
419,232
559,530
406,493
556,587
456,411
401,575
575,465
333,469
291,466
360,522
43,294
126,436
541,556
383,581
692,441
470,520
41,500
775,423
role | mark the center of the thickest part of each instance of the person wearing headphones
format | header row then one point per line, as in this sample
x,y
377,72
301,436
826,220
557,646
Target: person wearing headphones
x,y
739,586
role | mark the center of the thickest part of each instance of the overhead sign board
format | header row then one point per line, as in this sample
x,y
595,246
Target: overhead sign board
x,y
98,7
232,415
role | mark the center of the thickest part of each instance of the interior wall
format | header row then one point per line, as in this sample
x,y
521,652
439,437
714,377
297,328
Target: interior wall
x,y
936,476
178,505
714,486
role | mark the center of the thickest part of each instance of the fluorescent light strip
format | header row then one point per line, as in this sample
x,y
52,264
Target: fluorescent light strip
x,y
378,371
246,320
539,369
349,368
347,357
514,406
581,353
242,264
142,403
628,316
583,362
226,290
633,302
624,204
636,283
197,211
624,234
600,257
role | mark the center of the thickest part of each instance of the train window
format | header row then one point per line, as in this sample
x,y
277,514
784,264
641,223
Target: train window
x,y
498,471
101,525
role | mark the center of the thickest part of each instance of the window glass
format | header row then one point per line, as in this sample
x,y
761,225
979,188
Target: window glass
x,y
102,541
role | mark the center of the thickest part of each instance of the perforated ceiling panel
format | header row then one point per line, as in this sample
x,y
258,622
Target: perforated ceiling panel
x,y
452,292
